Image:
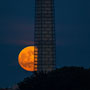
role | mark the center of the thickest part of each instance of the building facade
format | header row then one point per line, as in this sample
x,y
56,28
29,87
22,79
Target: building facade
x,y
44,36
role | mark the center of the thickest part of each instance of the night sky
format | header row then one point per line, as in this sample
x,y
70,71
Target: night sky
x,y
72,19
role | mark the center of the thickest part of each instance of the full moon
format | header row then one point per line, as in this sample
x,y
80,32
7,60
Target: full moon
x,y
26,58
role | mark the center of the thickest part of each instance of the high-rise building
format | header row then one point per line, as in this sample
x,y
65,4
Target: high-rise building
x,y
44,36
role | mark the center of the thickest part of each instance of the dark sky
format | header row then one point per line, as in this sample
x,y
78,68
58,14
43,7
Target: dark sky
x,y
72,18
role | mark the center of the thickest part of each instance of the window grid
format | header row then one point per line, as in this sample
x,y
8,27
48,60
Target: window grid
x,y
44,36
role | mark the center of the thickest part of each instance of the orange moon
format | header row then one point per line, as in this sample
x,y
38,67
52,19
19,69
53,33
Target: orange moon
x,y
26,58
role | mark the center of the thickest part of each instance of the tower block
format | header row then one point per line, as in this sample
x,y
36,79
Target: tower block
x,y
44,36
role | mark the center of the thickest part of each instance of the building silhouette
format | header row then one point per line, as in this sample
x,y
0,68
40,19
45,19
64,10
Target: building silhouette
x,y
44,36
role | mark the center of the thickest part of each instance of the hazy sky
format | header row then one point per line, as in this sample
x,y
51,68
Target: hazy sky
x,y
72,19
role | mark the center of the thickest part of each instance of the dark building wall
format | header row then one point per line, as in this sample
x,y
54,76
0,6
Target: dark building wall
x,y
44,35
